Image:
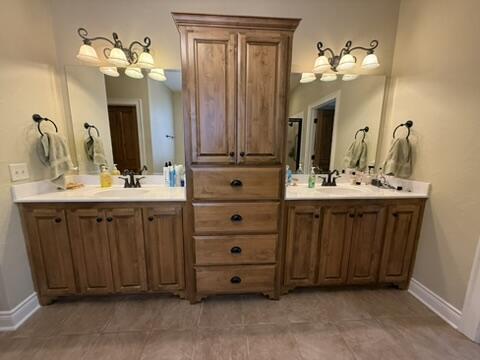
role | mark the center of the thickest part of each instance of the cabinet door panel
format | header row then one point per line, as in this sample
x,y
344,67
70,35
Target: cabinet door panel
x,y
263,63
335,244
400,239
302,245
211,84
125,234
50,252
164,247
366,248
89,237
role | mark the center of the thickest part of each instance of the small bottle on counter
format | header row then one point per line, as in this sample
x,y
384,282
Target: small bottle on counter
x,y
105,177
353,178
115,171
166,175
312,178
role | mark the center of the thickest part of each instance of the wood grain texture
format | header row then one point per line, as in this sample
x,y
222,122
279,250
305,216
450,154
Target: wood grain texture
x,y
235,249
216,218
256,183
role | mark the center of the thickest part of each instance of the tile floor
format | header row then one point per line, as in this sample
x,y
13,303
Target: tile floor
x,y
304,325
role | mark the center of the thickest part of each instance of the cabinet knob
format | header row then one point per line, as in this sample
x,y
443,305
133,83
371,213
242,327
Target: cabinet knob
x,y
360,215
99,219
351,215
232,154
150,218
242,153
236,183
236,217
236,280
58,220
316,216
395,214
236,250
109,219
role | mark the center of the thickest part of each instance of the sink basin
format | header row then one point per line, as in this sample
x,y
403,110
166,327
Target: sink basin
x,y
340,190
122,192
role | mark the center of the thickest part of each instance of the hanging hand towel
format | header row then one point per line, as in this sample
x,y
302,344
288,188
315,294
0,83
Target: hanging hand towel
x,y
57,156
399,159
95,150
356,155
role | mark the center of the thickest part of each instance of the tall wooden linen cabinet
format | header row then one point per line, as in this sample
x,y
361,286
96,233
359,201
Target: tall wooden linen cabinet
x,y
235,73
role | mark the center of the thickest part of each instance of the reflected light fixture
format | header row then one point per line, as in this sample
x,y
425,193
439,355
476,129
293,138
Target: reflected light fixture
x,y
307,78
330,76
349,77
157,74
134,72
109,70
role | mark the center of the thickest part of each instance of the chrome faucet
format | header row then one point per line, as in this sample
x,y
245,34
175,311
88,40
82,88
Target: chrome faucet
x,y
330,180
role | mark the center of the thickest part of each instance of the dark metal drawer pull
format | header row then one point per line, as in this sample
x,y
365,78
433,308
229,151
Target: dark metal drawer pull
x,y
236,183
58,220
236,217
232,154
236,280
150,218
99,219
351,214
236,250
109,219
242,153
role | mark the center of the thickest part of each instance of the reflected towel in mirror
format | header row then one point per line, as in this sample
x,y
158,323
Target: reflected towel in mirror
x,y
356,155
95,150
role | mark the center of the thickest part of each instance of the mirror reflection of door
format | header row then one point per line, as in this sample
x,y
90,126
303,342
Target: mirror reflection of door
x,y
294,136
323,137
124,134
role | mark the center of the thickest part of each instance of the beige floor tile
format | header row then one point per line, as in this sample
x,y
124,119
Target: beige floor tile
x,y
304,306
169,345
320,341
221,344
175,314
368,340
133,313
20,348
342,305
88,317
71,347
271,342
221,311
117,346
258,309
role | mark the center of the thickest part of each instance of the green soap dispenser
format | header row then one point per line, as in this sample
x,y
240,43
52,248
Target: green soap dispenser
x,y
312,178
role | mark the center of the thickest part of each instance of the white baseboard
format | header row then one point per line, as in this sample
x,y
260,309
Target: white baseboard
x,y
10,320
439,306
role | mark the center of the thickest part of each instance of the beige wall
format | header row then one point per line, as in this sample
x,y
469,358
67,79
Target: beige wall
x,y
436,84
88,103
359,104
332,21
28,84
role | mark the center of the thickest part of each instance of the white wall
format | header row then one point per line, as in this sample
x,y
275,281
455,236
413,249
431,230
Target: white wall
x,y
435,83
28,84
88,103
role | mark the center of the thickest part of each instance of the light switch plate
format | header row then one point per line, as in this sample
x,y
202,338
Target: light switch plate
x,y
18,171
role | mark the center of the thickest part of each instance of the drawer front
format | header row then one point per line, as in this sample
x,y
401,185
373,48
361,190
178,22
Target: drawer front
x,y
236,184
220,218
235,249
235,279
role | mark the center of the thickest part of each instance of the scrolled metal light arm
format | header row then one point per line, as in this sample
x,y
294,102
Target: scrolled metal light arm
x,y
334,59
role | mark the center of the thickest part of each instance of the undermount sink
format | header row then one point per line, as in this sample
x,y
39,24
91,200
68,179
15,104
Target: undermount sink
x,y
122,192
340,190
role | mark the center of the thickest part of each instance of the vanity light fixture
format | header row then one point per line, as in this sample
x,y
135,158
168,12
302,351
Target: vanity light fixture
x,y
349,77
307,78
344,61
109,70
330,76
157,74
134,72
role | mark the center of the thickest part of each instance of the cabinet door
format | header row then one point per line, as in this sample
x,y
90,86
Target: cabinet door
x,y
335,241
302,245
50,252
127,249
89,237
211,88
400,239
366,247
262,86
164,247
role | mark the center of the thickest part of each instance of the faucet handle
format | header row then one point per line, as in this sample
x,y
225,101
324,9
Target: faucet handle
x,y
137,182
125,184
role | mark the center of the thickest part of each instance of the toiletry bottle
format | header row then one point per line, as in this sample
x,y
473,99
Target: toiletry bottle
x,y
300,169
105,177
358,178
166,174
115,171
312,178
353,178
170,170
174,176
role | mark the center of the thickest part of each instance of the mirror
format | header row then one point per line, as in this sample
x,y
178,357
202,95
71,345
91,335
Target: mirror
x,y
325,117
140,121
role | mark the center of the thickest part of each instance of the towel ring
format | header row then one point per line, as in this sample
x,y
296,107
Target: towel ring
x,y
364,131
90,127
408,124
38,119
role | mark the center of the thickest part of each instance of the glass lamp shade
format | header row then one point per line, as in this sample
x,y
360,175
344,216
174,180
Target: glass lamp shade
x,y
88,54
321,64
349,77
308,77
328,77
347,62
370,62
145,60
117,57
134,72
109,70
157,74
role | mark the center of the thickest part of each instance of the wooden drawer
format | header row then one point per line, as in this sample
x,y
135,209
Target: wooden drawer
x,y
235,279
236,183
238,218
235,249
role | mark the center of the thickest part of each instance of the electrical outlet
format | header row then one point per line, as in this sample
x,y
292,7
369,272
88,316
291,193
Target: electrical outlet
x,y
18,171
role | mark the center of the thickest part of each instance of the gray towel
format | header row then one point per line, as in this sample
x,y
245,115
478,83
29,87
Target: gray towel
x,y
95,150
356,156
399,159
57,156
